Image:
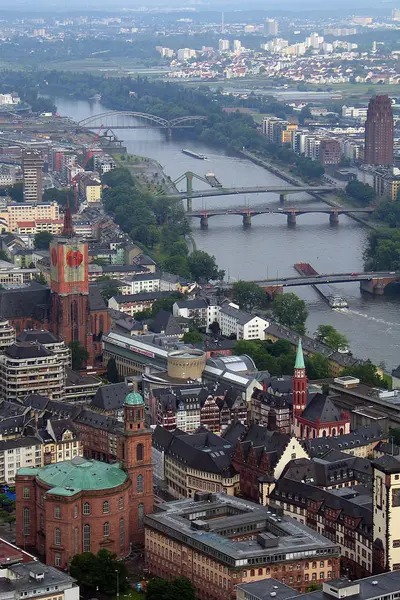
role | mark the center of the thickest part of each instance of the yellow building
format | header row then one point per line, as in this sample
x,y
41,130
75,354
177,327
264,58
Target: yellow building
x,y
18,212
60,442
32,227
90,187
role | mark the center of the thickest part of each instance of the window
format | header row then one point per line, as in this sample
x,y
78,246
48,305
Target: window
x,y
57,537
27,493
139,452
75,511
106,507
76,542
121,503
140,516
86,508
106,529
139,485
86,538
57,559
57,512
27,521
121,532
321,575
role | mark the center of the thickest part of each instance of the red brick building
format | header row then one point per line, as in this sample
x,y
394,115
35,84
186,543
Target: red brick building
x,y
71,309
85,505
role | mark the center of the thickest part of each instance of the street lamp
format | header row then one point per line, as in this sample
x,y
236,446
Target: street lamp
x,y
117,572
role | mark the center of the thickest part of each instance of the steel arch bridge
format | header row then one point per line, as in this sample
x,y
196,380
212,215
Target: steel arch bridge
x,y
123,120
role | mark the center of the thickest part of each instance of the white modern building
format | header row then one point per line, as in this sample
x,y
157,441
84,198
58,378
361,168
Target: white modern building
x,y
245,326
21,452
202,311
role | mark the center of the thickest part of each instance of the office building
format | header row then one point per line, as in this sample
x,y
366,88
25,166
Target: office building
x,y
218,542
223,45
32,165
379,132
271,27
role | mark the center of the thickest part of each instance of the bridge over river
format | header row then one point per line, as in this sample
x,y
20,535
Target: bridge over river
x,y
290,212
371,282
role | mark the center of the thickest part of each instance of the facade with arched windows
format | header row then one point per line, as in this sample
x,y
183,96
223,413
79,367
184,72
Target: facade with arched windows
x,y
72,507
84,505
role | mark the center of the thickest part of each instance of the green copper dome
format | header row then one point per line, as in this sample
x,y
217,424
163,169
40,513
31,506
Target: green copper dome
x,y
134,399
79,474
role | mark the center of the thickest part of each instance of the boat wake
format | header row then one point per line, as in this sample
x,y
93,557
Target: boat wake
x,y
365,316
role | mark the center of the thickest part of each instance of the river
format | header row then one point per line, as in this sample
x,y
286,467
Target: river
x,y
270,248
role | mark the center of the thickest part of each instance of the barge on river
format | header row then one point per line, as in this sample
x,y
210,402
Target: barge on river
x,y
194,154
326,292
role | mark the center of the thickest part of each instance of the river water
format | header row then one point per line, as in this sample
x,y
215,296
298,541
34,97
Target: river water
x,y
270,248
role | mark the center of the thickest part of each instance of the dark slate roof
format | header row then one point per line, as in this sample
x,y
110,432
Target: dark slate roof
x,y
197,303
110,397
355,502
19,443
165,322
204,451
23,350
355,439
11,409
31,301
43,336
241,316
96,300
60,426
99,421
234,432
321,407
388,448
387,463
319,471
162,438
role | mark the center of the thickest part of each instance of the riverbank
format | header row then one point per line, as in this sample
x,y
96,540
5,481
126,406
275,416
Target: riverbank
x,y
148,172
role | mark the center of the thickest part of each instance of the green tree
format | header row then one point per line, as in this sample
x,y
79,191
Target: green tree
x,y
100,571
361,191
112,371
366,373
41,279
215,328
118,177
326,334
193,337
203,267
290,310
109,291
157,589
42,240
10,520
79,355
165,303
317,366
248,295
161,589
178,265
142,315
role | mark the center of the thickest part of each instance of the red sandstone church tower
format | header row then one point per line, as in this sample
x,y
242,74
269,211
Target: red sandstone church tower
x,y
69,318
299,386
136,454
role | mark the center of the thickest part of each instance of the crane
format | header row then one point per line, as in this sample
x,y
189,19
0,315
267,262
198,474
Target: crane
x,y
88,156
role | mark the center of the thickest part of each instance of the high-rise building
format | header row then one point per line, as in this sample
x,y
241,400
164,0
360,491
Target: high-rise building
x,y
32,164
223,45
271,27
379,132
396,14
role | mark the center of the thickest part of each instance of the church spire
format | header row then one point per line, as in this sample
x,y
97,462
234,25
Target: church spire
x,y
68,227
299,364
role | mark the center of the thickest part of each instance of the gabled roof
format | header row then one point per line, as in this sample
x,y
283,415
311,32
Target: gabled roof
x,y
165,322
31,301
204,451
356,439
321,407
110,397
96,300
43,336
23,350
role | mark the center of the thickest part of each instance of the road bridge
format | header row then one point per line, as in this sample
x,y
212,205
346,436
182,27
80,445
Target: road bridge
x,y
290,212
371,282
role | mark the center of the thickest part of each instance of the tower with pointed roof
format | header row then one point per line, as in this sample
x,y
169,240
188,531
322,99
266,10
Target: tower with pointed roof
x,y
137,457
299,387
